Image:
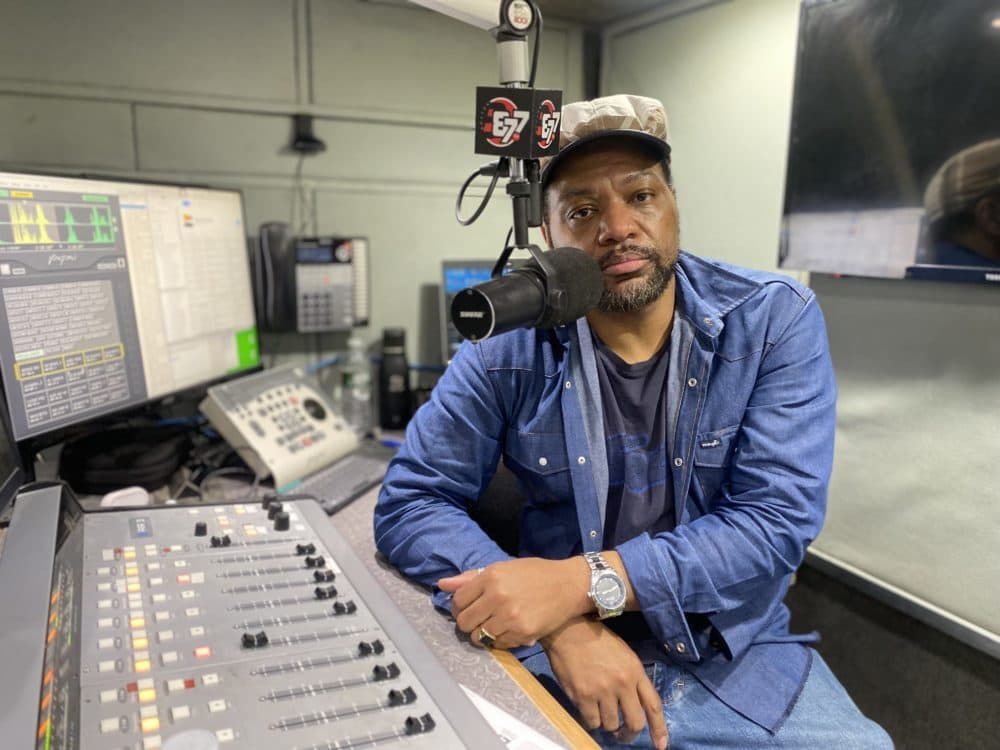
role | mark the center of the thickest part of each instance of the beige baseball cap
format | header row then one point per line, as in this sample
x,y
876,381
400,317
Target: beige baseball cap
x,y
966,177
622,115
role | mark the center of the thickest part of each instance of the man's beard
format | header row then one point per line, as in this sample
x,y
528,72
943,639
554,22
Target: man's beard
x,y
638,293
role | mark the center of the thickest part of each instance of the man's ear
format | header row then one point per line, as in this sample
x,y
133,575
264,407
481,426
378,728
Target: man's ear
x,y
545,234
987,213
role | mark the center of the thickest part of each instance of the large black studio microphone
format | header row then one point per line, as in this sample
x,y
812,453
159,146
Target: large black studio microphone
x,y
528,298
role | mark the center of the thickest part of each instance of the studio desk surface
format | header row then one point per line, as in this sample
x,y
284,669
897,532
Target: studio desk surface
x,y
496,675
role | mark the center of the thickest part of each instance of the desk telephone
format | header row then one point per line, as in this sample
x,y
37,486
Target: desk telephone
x,y
280,423
309,284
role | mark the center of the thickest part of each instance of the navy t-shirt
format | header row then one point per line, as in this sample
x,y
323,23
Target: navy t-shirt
x,y
640,496
640,493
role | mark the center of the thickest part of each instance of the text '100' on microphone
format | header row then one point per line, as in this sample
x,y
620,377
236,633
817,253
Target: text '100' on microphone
x,y
527,297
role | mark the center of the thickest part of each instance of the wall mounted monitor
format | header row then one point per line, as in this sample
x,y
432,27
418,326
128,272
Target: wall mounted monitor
x,y
116,293
886,92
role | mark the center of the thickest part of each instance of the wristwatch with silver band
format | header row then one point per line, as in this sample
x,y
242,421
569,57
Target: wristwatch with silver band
x,y
607,588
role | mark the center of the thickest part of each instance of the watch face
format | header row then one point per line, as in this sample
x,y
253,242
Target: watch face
x,y
609,591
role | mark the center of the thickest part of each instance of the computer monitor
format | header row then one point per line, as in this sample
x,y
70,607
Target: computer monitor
x,y
117,293
456,275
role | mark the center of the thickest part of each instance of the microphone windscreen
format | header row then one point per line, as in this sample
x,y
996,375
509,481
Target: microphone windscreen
x,y
574,286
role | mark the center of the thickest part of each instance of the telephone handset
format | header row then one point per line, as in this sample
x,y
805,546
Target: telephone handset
x,y
274,286
309,284
280,423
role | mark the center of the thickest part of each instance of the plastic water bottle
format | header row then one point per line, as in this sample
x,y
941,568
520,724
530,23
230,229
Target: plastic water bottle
x,y
356,387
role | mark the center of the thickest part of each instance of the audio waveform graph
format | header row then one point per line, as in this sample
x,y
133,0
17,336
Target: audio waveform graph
x,y
47,223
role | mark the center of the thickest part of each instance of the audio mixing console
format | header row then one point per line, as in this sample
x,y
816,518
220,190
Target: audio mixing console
x,y
209,627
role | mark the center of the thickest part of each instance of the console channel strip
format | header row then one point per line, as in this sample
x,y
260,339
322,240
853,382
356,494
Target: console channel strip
x,y
209,627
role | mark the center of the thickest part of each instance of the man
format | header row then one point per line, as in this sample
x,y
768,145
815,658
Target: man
x,y
962,208
674,446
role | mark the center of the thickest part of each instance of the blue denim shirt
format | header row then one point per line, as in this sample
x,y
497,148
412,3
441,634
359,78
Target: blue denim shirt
x,y
751,398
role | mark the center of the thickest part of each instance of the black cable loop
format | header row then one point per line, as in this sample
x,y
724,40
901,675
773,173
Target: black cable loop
x,y
482,204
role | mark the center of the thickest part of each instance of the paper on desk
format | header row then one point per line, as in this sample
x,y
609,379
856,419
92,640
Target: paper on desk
x,y
516,735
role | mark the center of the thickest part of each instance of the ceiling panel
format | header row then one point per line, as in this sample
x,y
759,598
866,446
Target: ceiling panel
x,y
595,13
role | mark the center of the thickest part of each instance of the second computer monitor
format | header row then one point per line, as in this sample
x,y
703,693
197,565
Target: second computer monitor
x,y
456,275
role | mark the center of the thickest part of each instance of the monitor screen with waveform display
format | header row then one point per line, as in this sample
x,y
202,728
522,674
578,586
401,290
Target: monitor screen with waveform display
x,y
57,224
117,293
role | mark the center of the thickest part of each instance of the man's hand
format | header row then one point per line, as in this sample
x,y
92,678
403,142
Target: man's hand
x,y
519,601
606,681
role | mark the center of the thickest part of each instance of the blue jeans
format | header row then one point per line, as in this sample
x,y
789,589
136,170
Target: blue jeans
x,y
823,716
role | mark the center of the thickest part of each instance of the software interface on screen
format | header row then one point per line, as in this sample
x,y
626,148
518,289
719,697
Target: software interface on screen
x,y
115,293
456,275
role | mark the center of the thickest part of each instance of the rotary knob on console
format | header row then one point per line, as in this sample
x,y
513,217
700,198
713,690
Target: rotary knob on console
x,y
274,509
282,521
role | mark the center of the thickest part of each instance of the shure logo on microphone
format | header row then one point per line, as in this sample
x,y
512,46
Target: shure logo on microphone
x,y
470,314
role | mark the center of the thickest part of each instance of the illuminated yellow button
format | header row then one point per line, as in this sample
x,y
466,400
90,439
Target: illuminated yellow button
x,y
240,510
203,652
147,696
129,554
151,724
142,665
134,588
138,643
137,622
223,520
250,530
131,570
